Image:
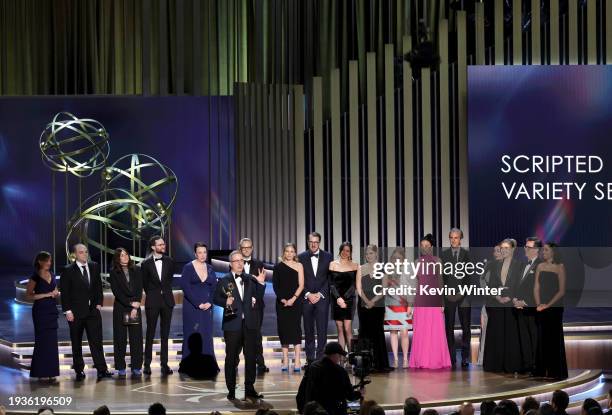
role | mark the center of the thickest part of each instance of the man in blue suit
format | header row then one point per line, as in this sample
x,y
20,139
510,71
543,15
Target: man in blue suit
x,y
316,287
240,330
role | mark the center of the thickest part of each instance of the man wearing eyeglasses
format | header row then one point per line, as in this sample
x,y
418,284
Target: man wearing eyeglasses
x,y
316,305
525,304
242,292
255,267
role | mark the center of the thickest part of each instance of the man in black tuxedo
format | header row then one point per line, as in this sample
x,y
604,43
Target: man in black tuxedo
x,y
255,267
525,303
240,330
81,289
157,274
457,303
316,286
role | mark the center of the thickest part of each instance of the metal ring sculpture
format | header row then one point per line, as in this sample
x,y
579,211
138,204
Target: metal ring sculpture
x,y
149,182
117,209
76,145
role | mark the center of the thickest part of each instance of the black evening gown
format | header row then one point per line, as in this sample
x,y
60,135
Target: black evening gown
x,y
502,351
372,322
288,319
342,284
45,359
550,357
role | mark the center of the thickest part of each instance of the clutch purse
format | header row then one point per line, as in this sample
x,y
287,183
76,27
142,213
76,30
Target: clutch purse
x,y
128,320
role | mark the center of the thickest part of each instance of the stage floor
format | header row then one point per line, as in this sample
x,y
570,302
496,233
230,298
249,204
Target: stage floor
x,y
440,389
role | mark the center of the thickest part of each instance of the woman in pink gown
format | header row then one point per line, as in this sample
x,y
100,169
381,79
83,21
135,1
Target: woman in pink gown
x,y
429,346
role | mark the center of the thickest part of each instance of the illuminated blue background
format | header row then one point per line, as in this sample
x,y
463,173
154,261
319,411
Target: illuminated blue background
x,y
191,135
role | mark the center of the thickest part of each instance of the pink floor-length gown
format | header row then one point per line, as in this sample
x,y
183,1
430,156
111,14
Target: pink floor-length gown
x,y
429,346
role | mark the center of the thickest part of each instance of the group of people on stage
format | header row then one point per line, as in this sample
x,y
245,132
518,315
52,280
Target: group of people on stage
x,y
521,329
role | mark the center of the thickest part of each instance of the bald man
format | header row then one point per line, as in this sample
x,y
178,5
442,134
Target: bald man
x,y
81,289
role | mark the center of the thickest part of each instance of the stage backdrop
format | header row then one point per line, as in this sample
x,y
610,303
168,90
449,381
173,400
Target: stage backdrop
x,y
540,163
193,136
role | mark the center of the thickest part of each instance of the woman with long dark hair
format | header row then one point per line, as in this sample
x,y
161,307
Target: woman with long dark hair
x,y
42,290
549,290
343,274
126,284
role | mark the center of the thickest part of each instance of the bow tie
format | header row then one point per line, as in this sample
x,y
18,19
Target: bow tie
x,y
238,277
314,255
159,259
247,261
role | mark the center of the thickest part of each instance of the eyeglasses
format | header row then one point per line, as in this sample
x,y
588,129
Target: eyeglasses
x,y
314,242
247,247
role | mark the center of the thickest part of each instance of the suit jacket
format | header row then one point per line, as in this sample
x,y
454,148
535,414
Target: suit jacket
x,y
252,289
254,268
318,283
124,292
73,284
524,287
158,291
512,280
450,280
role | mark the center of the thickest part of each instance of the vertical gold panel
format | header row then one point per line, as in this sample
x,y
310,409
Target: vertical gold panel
x,y
445,180
555,46
354,156
480,34
499,32
265,222
536,49
408,154
462,118
573,32
241,133
372,147
279,215
336,142
517,33
427,146
608,26
258,212
390,150
317,108
300,163
592,31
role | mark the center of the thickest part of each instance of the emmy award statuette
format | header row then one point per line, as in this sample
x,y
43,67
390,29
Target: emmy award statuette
x,y
229,311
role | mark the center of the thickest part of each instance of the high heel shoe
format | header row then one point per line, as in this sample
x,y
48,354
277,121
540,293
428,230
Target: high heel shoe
x,y
284,368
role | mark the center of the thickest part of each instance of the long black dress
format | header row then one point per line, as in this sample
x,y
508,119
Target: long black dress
x,y
502,352
550,357
342,284
285,282
372,321
45,359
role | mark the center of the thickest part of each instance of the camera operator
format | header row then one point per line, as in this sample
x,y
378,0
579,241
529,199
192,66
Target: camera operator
x,y
328,383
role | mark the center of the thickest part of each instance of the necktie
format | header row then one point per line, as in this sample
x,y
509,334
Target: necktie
x,y
456,255
86,274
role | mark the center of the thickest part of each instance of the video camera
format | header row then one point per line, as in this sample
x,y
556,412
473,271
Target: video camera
x,y
361,359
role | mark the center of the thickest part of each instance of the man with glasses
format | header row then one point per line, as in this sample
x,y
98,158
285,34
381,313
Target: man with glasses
x,y
242,292
526,304
255,267
316,286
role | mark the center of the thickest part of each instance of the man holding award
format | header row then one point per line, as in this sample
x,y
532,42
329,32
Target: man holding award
x,y
239,293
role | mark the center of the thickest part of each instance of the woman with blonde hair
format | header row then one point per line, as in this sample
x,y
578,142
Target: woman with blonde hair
x,y
288,284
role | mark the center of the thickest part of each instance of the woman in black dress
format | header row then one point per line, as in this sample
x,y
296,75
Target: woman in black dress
x,y
549,290
42,289
502,352
288,284
126,284
371,311
343,274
